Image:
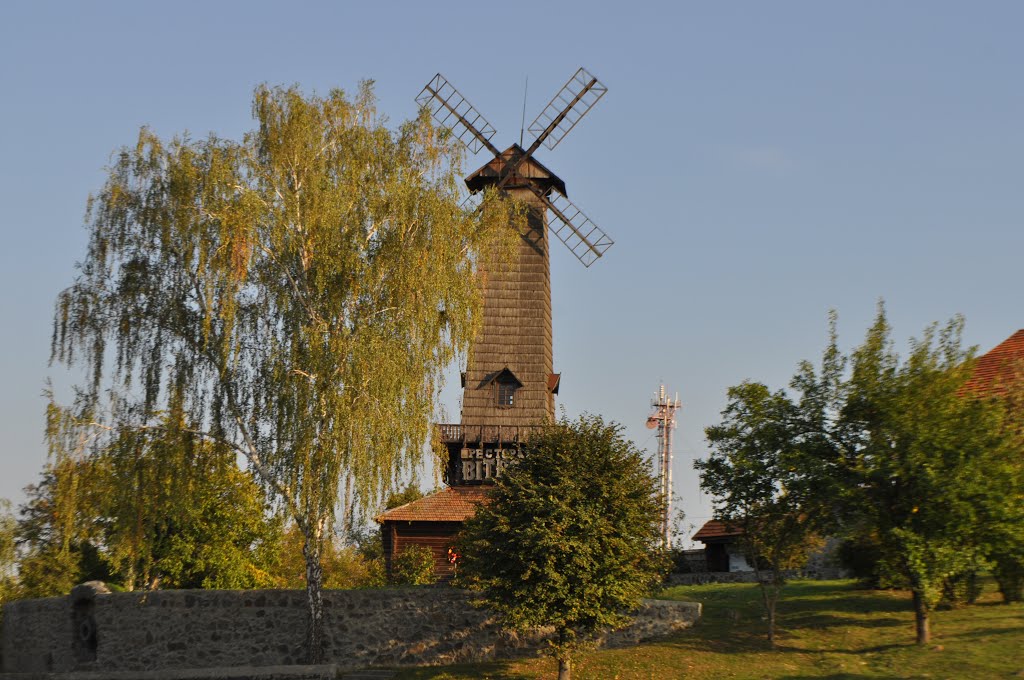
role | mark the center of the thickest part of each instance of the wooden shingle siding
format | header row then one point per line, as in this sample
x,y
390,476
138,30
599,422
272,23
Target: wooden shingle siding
x,y
516,331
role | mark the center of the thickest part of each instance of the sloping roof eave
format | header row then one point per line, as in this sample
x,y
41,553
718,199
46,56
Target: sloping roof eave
x,y
453,504
715,531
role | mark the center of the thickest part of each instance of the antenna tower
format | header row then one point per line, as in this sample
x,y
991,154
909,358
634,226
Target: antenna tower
x,y
664,418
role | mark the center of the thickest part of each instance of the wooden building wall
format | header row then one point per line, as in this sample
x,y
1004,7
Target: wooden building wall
x,y
438,536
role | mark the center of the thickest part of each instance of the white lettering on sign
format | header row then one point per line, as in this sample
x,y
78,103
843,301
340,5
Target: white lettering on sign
x,y
486,463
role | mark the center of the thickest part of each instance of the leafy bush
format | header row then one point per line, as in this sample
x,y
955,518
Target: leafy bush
x,y
1009,574
680,564
414,566
963,588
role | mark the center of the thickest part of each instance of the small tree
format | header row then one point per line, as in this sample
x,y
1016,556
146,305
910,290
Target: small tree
x,y
923,460
757,474
1001,525
567,538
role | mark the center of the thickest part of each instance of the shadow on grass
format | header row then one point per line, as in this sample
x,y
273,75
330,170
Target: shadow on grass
x,y
859,602
985,632
851,651
992,603
812,621
852,676
496,670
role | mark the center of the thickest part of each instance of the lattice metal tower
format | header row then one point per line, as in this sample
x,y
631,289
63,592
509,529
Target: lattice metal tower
x,y
664,419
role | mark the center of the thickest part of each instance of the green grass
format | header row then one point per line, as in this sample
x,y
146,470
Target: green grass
x,y
828,629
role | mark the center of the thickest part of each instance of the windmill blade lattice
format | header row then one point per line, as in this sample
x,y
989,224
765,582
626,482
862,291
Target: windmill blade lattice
x,y
580,235
451,110
566,108
472,201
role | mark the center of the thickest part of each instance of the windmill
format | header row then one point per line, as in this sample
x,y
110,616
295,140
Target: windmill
x,y
509,382
508,385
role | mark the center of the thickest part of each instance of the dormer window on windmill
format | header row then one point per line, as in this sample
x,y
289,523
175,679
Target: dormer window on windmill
x,y
504,385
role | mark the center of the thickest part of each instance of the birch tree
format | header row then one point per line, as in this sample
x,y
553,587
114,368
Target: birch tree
x,y
294,295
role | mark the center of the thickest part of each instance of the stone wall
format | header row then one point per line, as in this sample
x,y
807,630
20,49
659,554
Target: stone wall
x,y
93,630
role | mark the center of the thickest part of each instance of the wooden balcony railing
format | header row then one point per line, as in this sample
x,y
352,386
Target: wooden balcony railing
x,y
457,433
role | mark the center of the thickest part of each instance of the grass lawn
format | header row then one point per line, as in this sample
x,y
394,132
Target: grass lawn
x,y
828,629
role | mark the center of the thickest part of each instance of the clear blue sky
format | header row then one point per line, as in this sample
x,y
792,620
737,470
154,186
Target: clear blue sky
x,y
756,163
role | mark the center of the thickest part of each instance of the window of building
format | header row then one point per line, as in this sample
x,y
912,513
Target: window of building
x,y
505,393
504,384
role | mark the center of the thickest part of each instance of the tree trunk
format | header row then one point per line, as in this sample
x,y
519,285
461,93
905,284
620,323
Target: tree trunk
x,y
311,550
924,634
347,510
769,596
564,668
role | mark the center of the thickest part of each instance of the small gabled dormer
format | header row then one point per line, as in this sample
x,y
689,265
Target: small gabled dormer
x,y
503,385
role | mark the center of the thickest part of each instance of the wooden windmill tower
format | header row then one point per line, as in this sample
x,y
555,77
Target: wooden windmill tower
x,y
509,384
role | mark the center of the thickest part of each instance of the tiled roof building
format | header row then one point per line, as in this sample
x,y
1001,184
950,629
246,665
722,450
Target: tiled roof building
x,y
716,529
999,367
431,521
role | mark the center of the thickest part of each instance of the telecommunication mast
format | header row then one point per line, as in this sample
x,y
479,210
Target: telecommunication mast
x,y
664,419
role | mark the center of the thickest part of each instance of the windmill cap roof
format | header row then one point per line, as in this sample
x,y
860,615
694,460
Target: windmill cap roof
x,y
490,172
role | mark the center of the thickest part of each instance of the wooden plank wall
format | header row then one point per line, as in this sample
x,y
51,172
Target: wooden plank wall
x,y
438,536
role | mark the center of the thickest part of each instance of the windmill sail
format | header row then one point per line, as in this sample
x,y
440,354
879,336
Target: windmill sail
x,y
451,110
566,108
579,234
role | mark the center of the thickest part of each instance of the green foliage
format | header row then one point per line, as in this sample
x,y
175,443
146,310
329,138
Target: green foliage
x,y
757,474
1001,532
410,493
286,294
567,539
413,566
146,512
1008,570
964,587
921,459
345,565
9,589
860,554
58,530
898,450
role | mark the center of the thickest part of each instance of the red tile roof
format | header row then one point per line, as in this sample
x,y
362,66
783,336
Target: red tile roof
x,y
454,504
716,529
1002,365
